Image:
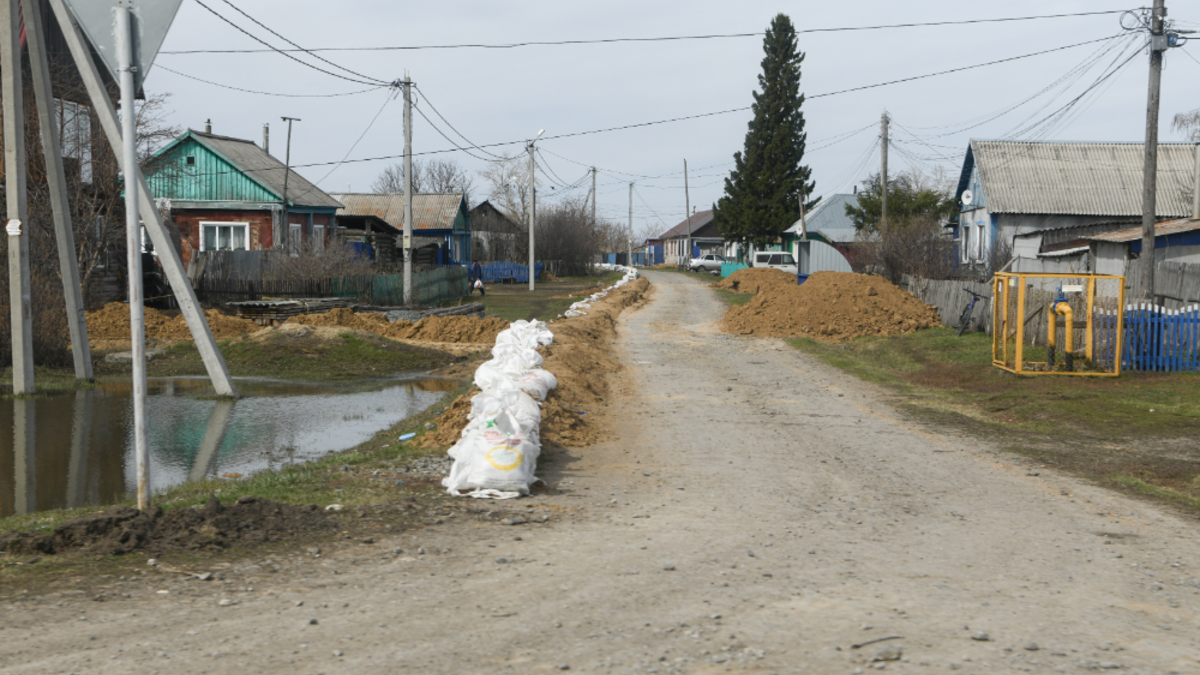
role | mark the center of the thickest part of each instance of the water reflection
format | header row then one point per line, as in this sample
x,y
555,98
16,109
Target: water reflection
x,y
76,449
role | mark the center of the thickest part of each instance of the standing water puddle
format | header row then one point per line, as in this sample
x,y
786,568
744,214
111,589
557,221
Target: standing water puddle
x,y
76,449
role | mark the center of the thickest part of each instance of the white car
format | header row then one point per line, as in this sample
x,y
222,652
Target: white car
x,y
710,263
777,260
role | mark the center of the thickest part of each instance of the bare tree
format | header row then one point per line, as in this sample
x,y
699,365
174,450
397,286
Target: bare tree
x,y
508,186
1188,123
391,180
444,176
916,245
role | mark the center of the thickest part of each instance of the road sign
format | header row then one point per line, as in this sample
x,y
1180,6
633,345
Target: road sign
x,y
151,21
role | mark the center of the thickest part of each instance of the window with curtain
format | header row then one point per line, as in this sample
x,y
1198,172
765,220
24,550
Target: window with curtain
x,y
224,236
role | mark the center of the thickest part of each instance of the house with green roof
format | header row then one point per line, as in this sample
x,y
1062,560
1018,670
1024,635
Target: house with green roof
x,y
226,193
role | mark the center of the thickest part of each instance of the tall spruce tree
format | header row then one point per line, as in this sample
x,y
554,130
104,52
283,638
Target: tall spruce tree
x,y
762,192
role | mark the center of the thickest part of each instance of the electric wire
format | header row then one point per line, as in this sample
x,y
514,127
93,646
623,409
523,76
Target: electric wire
x,y
390,97
672,38
306,51
452,128
269,93
282,52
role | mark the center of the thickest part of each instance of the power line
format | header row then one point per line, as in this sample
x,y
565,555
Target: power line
x,y
390,97
298,47
671,38
280,51
269,93
460,134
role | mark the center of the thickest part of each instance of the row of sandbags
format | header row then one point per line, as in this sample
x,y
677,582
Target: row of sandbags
x,y
576,308
496,457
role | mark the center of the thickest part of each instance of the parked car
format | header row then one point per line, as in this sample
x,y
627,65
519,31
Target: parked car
x,y
710,262
777,260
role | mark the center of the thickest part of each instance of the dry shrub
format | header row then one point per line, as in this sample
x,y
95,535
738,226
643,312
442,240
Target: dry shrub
x,y
916,246
313,263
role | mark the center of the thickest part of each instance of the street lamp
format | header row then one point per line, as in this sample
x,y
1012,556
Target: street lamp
x,y
532,206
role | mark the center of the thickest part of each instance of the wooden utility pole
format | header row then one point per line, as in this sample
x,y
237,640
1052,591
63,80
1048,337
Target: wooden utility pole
x,y
883,177
406,242
593,197
1158,45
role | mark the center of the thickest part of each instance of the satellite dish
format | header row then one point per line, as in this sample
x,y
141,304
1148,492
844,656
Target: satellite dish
x,y
967,197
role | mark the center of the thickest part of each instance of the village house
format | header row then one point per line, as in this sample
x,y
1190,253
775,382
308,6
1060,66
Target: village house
x,y
441,223
226,194
703,236
1045,199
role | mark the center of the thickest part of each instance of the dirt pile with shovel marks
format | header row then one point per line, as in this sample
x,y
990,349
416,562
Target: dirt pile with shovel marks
x,y
830,306
581,360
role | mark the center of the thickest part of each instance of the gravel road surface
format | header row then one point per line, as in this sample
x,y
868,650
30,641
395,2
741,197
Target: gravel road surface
x,y
757,512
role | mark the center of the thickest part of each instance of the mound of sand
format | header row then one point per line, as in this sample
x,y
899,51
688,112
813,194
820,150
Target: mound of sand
x,y
445,329
832,307
581,360
755,279
112,322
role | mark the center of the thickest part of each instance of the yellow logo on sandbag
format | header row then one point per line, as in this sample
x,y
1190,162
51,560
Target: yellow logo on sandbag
x,y
504,457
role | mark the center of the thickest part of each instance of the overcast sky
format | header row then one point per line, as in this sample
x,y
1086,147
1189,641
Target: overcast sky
x,y
502,95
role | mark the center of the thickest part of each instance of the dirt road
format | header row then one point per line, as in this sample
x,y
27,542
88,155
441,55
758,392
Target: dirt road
x,y
760,512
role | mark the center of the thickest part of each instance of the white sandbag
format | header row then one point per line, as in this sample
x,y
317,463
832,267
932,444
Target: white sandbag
x,y
537,383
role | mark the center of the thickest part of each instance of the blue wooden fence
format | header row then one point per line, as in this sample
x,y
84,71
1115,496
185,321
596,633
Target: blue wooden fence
x,y
497,272
1159,339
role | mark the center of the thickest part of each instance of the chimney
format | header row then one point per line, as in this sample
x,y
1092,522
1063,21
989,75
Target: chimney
x,y
267,138
208,126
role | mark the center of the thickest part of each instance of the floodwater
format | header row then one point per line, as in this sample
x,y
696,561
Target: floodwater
x,y
76,449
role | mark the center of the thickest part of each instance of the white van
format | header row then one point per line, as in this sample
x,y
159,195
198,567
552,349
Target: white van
x,y
775,259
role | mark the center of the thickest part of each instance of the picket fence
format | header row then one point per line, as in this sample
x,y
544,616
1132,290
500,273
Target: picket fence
x,y
1160,339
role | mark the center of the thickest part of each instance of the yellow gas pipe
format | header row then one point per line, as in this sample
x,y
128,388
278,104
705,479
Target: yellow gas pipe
x,y
1065,311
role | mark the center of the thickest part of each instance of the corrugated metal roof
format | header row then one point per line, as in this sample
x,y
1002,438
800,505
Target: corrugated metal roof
x,y
829,218
430,211
265,169
1090,179
698,220
1160,230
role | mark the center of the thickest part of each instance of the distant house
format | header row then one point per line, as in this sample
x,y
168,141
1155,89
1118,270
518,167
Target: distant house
x,y
441,223
1015,190
494,236
226,193
703,235
828,221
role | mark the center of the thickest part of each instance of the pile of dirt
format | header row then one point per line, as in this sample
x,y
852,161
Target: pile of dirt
x,y
582,362
443,329
214,526
546,276
371,322
832,307
457,329
755,279
112,322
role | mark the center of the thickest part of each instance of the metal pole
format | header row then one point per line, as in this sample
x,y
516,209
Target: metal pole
x,y
629,244
168,256
133,251
57,182
408,188
883,167
15,186
1150,169
687,205
532,214
286,230
594,196
1196,187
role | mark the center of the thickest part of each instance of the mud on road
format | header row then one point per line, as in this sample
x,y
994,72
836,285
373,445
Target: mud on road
x,y
757,511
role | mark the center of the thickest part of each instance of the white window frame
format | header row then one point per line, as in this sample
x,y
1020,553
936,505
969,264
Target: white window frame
x,y
318,235
217,223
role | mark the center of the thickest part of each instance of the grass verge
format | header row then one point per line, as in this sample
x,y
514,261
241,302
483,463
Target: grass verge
x,y
1139,433
549,298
